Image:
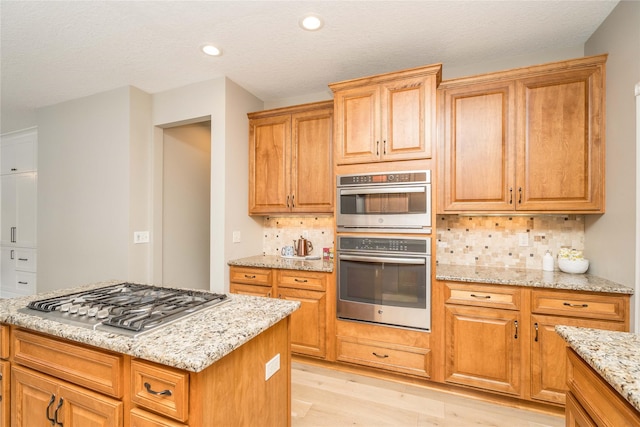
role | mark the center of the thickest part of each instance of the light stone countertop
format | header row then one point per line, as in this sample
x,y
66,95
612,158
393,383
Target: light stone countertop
x,y
529,278
273,261
192,343
613,355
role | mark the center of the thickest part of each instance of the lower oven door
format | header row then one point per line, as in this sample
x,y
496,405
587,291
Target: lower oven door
x,y
385,289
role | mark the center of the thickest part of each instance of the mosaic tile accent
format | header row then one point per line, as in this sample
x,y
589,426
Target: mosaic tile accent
x,y
280,231
493,241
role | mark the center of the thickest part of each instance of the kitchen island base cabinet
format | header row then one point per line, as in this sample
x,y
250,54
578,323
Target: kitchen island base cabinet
x,y
90,387
591,401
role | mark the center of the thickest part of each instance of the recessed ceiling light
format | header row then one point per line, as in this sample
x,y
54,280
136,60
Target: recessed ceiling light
x,y
211,50
311,23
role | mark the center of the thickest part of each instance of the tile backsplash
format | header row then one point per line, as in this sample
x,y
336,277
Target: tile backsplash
x,y
494,241
281,231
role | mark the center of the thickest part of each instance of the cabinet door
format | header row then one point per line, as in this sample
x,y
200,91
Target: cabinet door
x,y
308,323
18,152
33,398
312,168
560,142
269,164
19,210
5,393
483,348
548,364
408,119
575,414
478,132
357,116
85,408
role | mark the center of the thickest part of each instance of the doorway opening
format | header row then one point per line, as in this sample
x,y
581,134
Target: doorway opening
x,y
186,205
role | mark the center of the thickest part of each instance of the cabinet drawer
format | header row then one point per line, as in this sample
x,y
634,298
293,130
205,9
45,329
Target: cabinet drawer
x,y
576,304
25,283
91,368
504,297
25,259
140,418
410,360
302,280
251,276
160,389
4,341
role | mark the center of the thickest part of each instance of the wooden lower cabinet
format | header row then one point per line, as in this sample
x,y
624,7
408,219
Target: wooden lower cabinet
x,y
141,418
310,288
483,348
575,414
39,399
502,338
391,349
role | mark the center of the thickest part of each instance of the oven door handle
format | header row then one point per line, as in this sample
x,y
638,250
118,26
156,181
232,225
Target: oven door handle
x,y
382,190
412,261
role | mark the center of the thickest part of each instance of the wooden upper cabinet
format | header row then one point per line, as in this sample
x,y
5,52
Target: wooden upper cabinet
x,y
290,160
386,117
529,140
479,130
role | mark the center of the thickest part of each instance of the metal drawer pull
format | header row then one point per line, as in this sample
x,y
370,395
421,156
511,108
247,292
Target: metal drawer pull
x,y
53,399
380,356
157,393
55,414
516,335
535,325
568,304
23,283
481,296
301,280
249,277
23,259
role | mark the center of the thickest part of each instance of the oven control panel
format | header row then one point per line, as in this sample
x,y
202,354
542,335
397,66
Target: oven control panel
x,y
413,177
385,245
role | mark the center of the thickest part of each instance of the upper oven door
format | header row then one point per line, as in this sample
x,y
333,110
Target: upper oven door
x,y
384,208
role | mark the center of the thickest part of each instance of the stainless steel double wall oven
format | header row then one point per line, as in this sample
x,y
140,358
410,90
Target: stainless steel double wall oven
x,y
384,248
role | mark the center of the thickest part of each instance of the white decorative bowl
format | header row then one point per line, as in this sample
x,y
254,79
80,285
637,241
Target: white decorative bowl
x,y
575,266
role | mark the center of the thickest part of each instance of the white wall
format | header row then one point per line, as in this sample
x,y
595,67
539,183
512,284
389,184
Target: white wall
x,y
227,105
610,239
83,190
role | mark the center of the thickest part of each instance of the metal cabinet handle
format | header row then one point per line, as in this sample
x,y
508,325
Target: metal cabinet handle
x,y
48,409
535,325
384,147
13,234
520,195
568,304
55,414
22,259
287,200
377,148
516,335
510,195
380,356
157,393
23,283
250,277
13,254
14,169
293,200
480,296
301,280
269,294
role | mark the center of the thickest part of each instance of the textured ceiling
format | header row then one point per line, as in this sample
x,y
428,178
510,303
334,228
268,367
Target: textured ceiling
x,y
53,51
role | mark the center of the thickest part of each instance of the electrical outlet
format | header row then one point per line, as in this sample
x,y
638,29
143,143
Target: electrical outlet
x,y
271,367
523,239
237,237
140,237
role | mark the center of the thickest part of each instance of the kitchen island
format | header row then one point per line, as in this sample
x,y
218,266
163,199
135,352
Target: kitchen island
x,y
225,365
604,377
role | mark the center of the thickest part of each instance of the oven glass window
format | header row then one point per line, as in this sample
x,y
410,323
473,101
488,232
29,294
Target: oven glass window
x,y
387,203
388,283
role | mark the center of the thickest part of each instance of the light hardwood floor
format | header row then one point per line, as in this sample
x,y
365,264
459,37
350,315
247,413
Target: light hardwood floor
x,y
324,397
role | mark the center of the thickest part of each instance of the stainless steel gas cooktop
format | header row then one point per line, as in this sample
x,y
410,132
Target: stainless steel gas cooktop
x,y
126,308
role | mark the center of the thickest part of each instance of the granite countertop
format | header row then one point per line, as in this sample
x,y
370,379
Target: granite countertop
x,y
530,278
273,261
613,355
193,343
